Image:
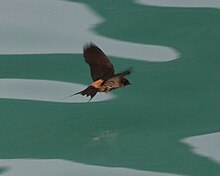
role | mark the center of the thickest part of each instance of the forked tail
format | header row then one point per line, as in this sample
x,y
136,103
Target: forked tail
x,y
89,91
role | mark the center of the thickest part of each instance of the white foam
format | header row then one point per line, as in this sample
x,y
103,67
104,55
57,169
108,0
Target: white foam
x,y
181,3
207,145
46,167
46,90
56,26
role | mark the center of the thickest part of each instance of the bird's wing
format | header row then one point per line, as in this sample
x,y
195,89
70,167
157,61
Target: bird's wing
x,y
124,73
100,66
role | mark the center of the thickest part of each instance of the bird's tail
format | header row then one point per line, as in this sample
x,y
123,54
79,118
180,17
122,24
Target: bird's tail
x,y
89,91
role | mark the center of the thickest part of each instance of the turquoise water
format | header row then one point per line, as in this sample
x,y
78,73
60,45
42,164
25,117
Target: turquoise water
x,y
142,129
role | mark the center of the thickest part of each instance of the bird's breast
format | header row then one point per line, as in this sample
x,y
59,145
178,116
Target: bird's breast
x,y
111,84
107,85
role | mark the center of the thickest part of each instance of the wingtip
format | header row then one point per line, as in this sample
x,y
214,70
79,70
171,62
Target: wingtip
x,y
129,71
88,45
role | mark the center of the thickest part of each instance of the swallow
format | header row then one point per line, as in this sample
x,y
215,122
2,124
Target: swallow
x,y
102,72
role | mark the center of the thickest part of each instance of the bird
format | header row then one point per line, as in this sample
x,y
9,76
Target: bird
x,y
102,72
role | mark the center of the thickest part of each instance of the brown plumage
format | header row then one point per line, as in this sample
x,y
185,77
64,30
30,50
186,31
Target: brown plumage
x,y
102,72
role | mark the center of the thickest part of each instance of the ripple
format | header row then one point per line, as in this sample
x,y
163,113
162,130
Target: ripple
x,y
64,27
178,3
57,167
205,145
46,90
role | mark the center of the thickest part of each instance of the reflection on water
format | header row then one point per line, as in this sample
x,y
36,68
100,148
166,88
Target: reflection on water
x,y
55,167
3,170
178,3
46,90
205,145
64,27
107,137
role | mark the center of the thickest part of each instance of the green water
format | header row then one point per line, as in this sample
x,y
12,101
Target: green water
x,y
142,128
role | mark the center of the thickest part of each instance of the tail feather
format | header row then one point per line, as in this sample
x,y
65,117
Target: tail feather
x,y
89,91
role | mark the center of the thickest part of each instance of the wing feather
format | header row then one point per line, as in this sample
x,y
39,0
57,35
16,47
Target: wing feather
x,y
100,65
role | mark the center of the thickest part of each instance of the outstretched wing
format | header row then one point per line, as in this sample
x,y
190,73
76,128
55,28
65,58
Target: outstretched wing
x,y
124,73
100,66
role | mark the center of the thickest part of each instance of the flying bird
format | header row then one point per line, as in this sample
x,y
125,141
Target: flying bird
x,y
102,72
